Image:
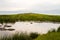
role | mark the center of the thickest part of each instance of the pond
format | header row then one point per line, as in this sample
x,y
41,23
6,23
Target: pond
x,y
28,27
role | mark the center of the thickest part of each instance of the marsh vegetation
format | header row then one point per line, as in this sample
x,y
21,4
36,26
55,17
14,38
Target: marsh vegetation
x,y
39,23
29,17
52,35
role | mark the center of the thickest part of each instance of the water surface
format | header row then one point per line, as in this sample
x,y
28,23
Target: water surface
x,y
42,27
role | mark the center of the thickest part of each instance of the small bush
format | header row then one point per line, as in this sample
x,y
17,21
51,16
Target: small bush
x,y
53,30
33,35
58,30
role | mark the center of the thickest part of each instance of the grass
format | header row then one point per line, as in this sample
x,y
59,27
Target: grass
x,y
21,36
33,36
24,36
29,17
49,36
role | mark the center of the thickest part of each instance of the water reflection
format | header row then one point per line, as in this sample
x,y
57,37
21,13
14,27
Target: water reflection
x,y
6,27
35,27
42,27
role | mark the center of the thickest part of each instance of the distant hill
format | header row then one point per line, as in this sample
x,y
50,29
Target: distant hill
x,y
29,17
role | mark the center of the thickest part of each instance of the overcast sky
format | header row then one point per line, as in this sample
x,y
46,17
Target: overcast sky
x,y
40,6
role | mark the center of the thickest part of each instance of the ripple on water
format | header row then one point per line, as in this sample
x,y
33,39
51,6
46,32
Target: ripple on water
x,y
42,27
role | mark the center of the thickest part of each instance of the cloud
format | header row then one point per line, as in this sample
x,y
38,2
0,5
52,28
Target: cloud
x,y
29,5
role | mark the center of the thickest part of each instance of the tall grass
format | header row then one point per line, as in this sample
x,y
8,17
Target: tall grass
x,y
20,36
51,35
29,17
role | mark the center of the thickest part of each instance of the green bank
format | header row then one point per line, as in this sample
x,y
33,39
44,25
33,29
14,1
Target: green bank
x,y
49,36
29,17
